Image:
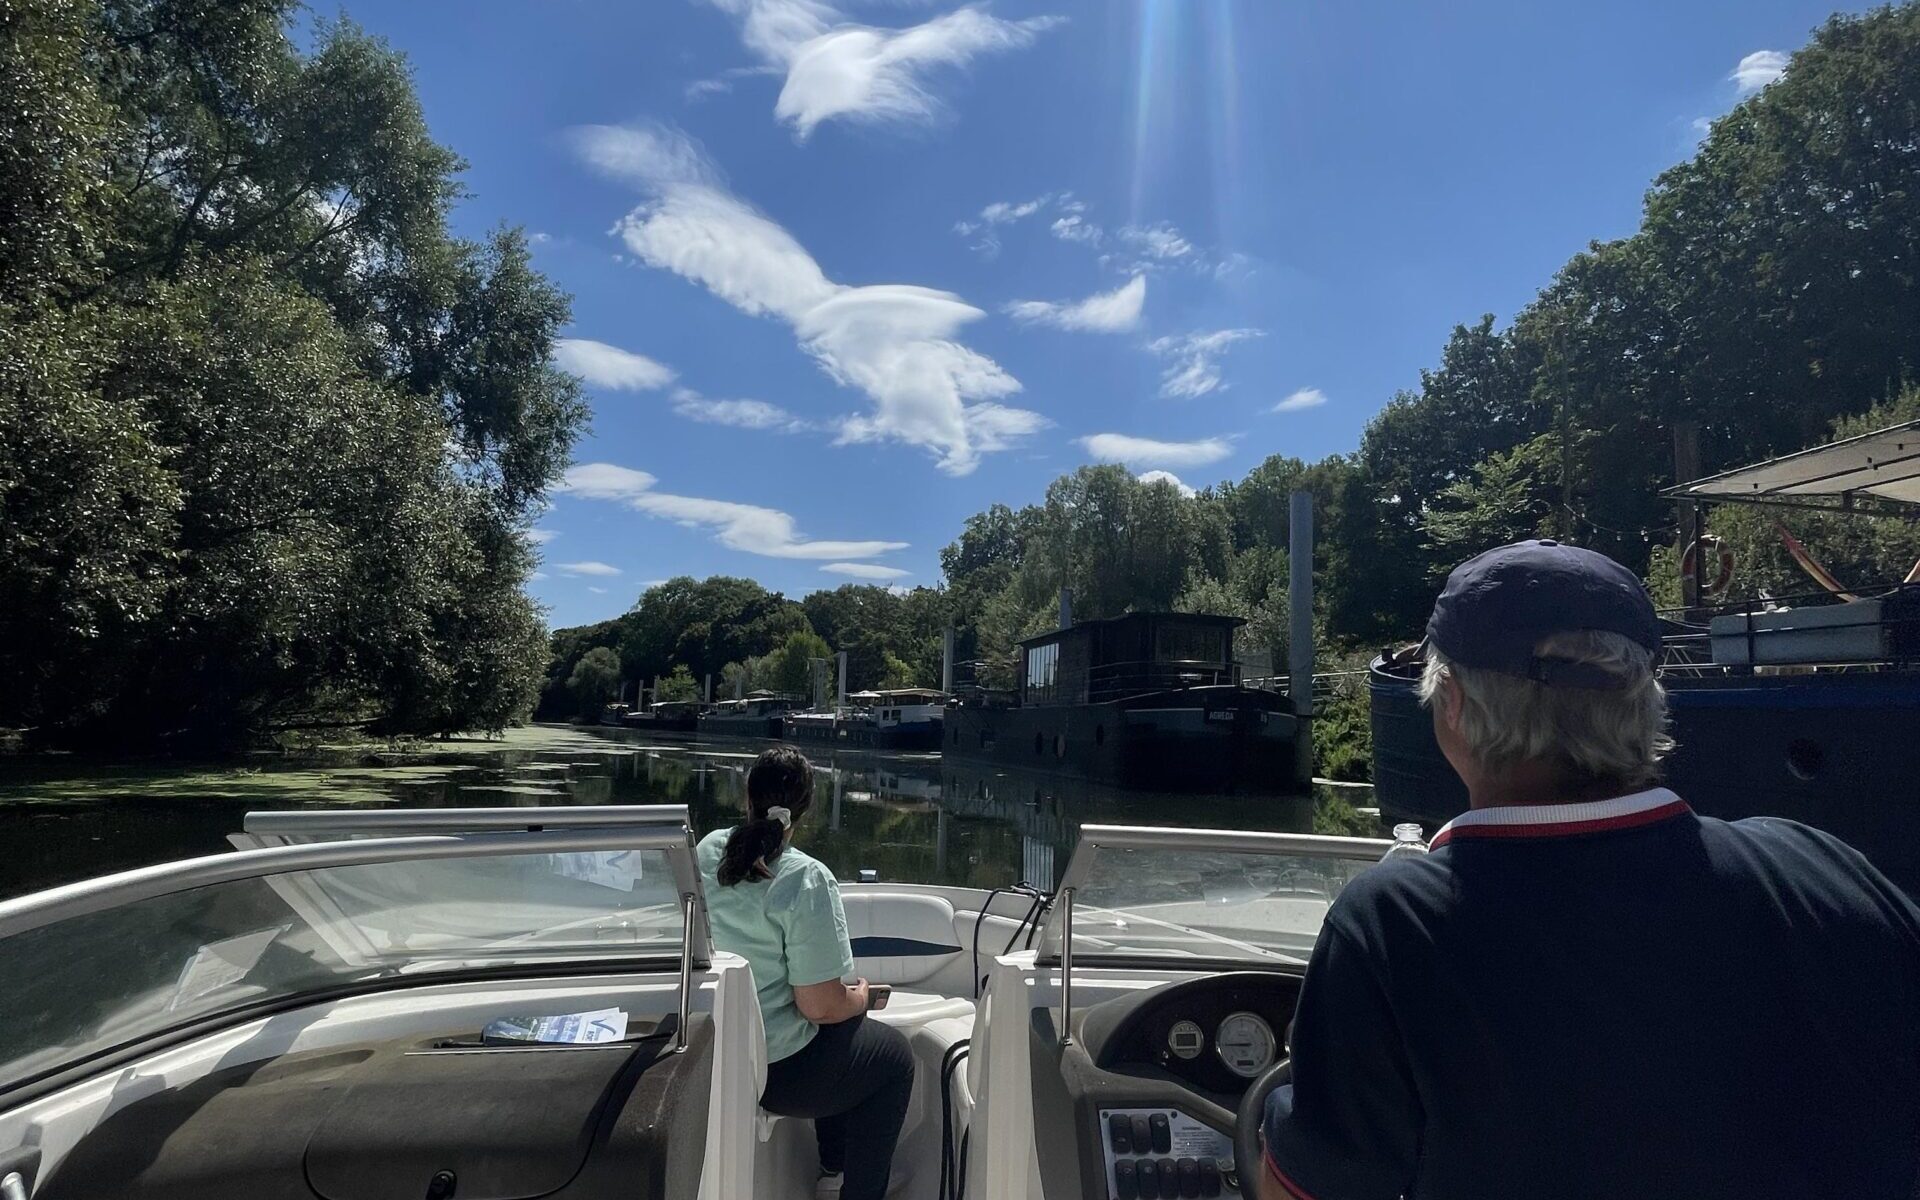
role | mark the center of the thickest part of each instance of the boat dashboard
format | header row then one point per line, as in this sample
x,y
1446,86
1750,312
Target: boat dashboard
x,y
1152,1082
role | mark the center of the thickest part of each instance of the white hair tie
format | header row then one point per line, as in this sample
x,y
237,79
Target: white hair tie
x,y
782,815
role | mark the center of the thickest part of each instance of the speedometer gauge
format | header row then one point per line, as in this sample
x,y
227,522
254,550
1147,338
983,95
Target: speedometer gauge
x,y
1245,1043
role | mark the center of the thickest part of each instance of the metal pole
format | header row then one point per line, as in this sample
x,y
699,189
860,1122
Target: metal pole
x,y
946,660
686,973
709,689
1300,654
842,701
1686,469
1066,608
1066,967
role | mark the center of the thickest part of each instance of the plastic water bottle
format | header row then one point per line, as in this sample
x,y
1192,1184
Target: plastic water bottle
x,y
1406,840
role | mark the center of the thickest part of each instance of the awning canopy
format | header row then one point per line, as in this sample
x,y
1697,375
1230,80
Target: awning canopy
x,y
1884,464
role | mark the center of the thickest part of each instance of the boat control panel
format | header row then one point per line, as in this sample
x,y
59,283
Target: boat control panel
x,y
1163,1153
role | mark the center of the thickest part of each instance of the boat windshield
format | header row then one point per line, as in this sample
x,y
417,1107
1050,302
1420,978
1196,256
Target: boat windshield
x,y
121,962
1203,894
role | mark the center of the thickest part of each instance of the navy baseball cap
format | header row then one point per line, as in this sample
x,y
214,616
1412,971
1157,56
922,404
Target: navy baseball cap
x,y
1497,607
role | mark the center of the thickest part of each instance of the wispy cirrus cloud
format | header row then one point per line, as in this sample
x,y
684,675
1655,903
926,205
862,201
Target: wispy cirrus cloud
x,y
1195,367
1103,312
739,414
1158,241
1757,70
1142,452
1304,398
838,69
1167,477
589,567
609,366
865,570
748,528
541,537
897,343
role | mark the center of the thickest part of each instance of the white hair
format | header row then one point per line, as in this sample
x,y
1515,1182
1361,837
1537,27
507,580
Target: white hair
x,y
1617,734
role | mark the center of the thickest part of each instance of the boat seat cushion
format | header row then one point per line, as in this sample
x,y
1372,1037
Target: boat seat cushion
x,y
900,938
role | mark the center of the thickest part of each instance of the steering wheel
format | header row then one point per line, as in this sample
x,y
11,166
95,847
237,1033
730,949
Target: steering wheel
x,y
1247,1155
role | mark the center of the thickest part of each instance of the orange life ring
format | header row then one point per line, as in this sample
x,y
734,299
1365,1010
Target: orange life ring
x,y
1690,563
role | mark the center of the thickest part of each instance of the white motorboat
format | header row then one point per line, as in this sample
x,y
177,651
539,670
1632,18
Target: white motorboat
x,y
314,1015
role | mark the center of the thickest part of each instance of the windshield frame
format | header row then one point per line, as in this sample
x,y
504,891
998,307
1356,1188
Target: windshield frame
x,y
1096,838
25,914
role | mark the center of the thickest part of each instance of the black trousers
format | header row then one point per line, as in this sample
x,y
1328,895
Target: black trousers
x,y
853,1080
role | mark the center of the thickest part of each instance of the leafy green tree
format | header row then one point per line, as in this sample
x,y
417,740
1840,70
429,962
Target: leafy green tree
x,y
595,680
787,670
268,433
680,685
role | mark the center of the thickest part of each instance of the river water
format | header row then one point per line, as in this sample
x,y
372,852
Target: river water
x,y
910,817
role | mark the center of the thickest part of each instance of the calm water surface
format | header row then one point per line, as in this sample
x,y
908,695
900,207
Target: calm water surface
x,y
912,818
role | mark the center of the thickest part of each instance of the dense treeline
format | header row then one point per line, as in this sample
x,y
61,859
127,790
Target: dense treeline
x,y
1771,295
745,637
269,435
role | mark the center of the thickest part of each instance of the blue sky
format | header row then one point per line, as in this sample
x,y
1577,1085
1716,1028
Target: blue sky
x,y
844,274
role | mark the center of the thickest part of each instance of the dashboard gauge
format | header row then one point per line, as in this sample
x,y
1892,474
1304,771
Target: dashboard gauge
x,y
1245,1043
1186,1040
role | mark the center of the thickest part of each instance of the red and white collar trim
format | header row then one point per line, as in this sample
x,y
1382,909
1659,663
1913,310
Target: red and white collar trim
x,y
1562,820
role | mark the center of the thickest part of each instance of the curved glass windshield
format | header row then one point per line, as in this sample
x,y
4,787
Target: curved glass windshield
x,y
96,981
1196,895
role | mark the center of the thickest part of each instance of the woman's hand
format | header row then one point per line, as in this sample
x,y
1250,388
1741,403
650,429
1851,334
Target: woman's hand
x,y
831,1002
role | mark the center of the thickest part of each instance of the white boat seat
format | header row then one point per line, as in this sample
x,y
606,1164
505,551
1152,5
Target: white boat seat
x,y
900,937
908,1012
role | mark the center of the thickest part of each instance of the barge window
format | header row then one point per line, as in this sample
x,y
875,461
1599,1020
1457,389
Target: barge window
x,y
1189,643
1043,669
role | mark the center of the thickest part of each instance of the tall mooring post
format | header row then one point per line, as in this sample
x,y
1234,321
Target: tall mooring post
x,y
1066,608
708,693
946,660
1300,630
841,700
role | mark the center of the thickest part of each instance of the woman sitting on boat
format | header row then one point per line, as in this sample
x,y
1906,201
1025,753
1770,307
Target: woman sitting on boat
x,y
780,910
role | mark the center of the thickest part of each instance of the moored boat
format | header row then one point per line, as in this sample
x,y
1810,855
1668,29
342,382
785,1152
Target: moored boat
x,y
1145,700
758,714
666,717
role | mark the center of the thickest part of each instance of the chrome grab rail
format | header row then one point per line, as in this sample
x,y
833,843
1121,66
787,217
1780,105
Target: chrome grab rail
x,y
687,902
1066,967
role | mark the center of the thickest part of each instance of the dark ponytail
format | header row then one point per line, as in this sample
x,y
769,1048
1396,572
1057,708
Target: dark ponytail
x,y
781,778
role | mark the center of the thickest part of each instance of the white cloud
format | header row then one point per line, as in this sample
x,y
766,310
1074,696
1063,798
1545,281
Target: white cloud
x,y
596,569
745,527
537,238
1075,228
1757,70
609,366
1167,477
536,577
1195,369
1304,398
700,89
866,570
895,342
1103,312
1161,241
604,481
541,537
1145,452
740,414
598,591
836,68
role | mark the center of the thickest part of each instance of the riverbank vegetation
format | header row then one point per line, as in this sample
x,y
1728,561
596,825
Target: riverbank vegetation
x,y
1770,297
269,433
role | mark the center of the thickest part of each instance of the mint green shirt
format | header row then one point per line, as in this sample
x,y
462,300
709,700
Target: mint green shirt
x,y
790,929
